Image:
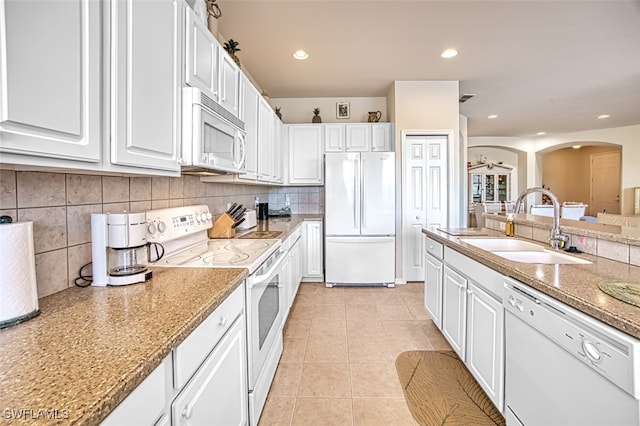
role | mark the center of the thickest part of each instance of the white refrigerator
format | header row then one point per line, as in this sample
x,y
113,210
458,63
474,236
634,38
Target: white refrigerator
x,y
360,218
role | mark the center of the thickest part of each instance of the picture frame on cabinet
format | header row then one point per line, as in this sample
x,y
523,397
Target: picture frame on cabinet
x,y
342,110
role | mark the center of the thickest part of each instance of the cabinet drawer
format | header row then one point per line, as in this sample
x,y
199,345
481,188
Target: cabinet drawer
x,y
188,356
434,248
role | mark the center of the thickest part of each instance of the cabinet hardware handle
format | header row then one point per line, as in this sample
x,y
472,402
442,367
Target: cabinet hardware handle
x,y
222,322
188,411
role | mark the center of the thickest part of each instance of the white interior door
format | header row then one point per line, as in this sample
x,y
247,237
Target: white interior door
x,y
425,196
605,183
378,193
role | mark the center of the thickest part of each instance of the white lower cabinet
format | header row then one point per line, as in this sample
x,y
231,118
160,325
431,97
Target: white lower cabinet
x,y
217,393
202,382
433,279
473,320
314,247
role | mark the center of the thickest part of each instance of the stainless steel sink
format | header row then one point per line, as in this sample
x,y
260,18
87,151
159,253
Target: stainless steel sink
x,y
523,251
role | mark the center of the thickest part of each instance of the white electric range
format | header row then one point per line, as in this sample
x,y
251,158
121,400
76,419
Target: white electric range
x,y
178,239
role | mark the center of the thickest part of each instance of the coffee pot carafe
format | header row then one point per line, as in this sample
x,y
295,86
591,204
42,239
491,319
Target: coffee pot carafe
x,y
119,249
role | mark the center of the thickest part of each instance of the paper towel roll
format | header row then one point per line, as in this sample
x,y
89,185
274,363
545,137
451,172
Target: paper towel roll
x,y
18,287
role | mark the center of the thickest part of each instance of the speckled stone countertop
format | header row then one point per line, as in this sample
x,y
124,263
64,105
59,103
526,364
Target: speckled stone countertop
x,y
575,285
90,347
286,224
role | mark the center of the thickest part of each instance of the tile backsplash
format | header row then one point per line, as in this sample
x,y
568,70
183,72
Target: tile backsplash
x,y
60,205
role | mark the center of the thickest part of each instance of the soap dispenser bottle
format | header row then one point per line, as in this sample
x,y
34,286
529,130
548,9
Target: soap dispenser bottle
x,y
510,227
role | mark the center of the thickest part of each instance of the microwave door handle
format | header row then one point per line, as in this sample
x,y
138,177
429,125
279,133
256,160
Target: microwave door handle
x,y
239,145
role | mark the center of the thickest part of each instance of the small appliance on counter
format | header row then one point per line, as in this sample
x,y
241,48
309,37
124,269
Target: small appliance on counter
x,y
18,286
263,211
119,249
250,221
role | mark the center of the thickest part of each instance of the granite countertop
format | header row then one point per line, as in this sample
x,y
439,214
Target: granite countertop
x,y
575,285
286,224
90,347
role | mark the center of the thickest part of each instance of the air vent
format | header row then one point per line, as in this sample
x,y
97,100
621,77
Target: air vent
x,y
464,98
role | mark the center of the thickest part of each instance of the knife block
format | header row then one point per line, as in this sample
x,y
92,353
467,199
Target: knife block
x,y
222,227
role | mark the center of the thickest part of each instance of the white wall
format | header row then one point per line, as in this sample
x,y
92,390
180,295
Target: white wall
x,y
300,110
627,137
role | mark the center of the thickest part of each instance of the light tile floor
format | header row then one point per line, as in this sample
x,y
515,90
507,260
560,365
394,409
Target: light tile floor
x,y
340,346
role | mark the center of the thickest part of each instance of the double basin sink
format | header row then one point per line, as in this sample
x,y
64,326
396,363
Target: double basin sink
x,y
523,251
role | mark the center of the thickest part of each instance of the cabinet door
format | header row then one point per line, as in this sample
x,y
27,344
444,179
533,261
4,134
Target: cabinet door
x,y
229,84
278,151
50,80
358,137
454,298
265,140
333,138
145,82
381,137
250,116
305,154
485,329
201,56
313,259
433,288
217,393
297,264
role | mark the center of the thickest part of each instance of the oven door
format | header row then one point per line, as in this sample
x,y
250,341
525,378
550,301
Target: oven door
x,y
265,310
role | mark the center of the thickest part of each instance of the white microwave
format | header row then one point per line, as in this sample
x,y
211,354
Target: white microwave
x,y
213,139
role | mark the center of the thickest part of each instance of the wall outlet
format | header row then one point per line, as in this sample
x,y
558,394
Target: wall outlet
x,y
286,200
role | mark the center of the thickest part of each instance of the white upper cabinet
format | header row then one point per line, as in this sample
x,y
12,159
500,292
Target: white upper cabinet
x,y
201,56
381,137
358,137
250,116
278,150
305,154
50,104
145,58
265,140
229,84
334,137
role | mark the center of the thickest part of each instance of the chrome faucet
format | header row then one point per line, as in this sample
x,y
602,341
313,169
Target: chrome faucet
x,y
556,239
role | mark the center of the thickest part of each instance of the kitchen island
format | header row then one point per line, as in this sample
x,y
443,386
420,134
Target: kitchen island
x,y
91,347
575,285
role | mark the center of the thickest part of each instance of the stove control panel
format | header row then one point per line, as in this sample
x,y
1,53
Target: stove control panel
x,y
169,224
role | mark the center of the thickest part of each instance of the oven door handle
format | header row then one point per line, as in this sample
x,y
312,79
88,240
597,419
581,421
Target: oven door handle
x,y
259,279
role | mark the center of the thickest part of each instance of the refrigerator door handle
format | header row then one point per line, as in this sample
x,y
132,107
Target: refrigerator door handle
x,y
356,194
363,224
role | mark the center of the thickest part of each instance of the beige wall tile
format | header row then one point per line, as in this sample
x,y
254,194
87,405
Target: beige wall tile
x,y
189,184
614,251
78,256
585,244
541,235
13,213
36,189
140,206
49,227
115,207
84,189
51,272
115,189
159,188
176,187
8,191
179,202
634,255
159,204
524,231
140,188
79,223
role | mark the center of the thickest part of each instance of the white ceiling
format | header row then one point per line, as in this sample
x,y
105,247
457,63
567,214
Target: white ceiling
x,y
548,66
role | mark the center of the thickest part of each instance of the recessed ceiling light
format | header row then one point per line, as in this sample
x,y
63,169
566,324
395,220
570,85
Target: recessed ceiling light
x,y
300,54
603,116
449,53
541,133
576,146
492,116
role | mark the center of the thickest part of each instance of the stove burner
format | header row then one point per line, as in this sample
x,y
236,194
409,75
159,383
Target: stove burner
x,y
226,257
182,259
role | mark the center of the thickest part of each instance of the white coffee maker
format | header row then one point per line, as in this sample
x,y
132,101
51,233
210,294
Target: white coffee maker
x,y
119,249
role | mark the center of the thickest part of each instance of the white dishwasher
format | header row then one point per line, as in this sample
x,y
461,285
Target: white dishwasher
x,y
564,367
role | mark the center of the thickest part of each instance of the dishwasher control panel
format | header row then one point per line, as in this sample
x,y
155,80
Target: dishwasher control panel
x,y
601,347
